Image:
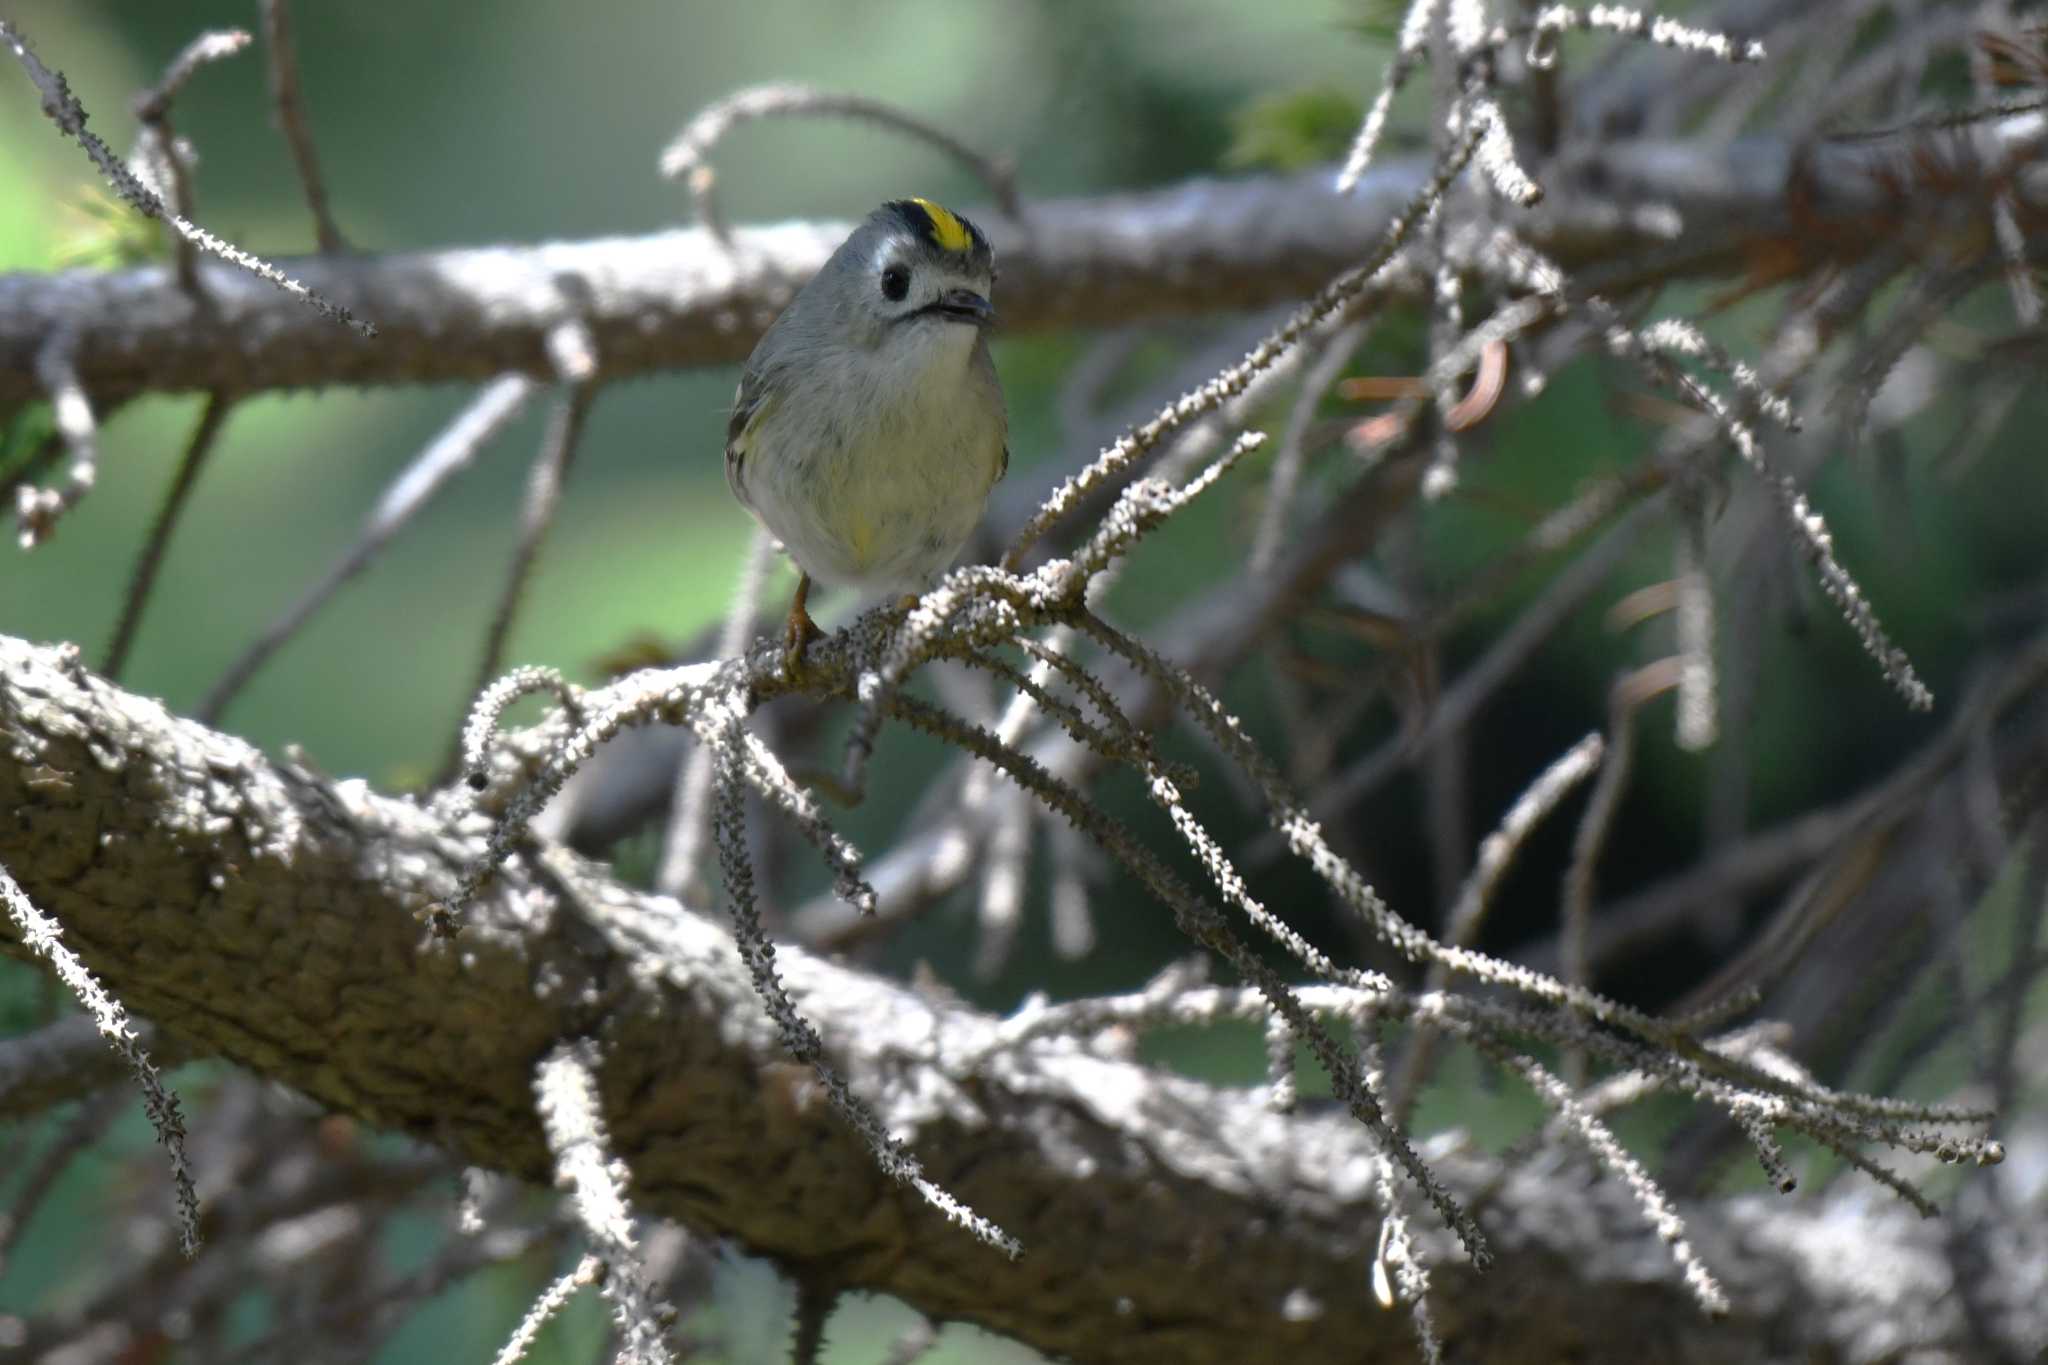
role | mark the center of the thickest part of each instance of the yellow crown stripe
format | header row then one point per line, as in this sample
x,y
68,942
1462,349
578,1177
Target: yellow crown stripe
x,y
950,233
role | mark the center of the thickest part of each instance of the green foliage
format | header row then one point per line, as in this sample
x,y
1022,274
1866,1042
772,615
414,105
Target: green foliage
x,y
1292,130
100,231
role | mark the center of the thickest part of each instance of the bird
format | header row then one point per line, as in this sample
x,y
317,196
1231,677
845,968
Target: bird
x,y
869,424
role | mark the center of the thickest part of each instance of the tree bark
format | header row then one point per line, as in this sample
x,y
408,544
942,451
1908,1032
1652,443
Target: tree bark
x,y
270,914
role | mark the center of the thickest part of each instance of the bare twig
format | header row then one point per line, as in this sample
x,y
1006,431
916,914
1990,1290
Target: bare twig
x,y
291,118
159,146
687,156
69,115
543,499
1555,20
67,1060
1654,346
37,510
143,579
1698,710
566,1091
1333,299
1409,51
45,937
552,1300
1657,1209
453,451
67,1142
1628,694
802,1040
689,821
473,748
1468,913
1201,923
1287,461
208,47
1462,700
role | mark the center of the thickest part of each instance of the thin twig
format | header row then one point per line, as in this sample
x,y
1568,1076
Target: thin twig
x,y
1502,660
38,510
1409,51
1657,1208
65,1060
1496,855
67,1142
1287,461
1654,347
69,115
1206,927
689,821
543,499
1576,908
725,727
159,143
451,452
1635,23
143,578
44,936
473,748
1698,708
551,1301
291,119
565,1087
815,1300
208,47
687,156
1333,298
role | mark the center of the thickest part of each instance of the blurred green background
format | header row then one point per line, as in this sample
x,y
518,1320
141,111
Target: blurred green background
x,y
472,121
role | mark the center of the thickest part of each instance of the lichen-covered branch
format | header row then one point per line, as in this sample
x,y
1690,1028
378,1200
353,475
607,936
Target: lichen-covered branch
x,y
269,914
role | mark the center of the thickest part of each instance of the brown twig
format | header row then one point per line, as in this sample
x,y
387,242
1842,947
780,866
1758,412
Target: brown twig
x,y
543,499
290,106
687,156
142,581
159,146
449,454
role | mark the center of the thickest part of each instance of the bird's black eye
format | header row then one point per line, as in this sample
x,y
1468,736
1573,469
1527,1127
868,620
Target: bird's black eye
x,y
895,283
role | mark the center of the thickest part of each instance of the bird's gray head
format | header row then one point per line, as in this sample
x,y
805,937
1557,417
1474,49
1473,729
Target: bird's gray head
x,y
912,269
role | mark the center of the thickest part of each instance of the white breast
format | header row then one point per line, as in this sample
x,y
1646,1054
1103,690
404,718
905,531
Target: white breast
x,y
881,472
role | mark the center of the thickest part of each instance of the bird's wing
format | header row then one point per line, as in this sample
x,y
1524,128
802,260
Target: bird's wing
x,y
984,366
749,406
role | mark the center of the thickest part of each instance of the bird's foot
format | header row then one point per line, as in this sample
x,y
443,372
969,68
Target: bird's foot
x,y
797,636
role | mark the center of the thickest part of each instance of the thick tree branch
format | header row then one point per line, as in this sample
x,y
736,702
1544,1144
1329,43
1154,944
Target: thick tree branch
x,y
678,298
271,914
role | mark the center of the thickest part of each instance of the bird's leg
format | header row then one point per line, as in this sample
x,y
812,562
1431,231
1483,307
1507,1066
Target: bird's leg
x,y
801,629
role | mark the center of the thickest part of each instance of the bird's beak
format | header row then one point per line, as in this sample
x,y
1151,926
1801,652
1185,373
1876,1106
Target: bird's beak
x,y
964,305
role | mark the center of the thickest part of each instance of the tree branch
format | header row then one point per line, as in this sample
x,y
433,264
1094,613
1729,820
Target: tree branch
x,y
677,298
271,914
